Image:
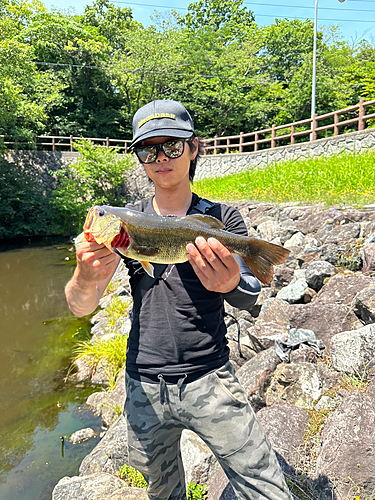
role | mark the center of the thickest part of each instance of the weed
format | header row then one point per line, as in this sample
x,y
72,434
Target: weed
x,y
116,310
132,477
196,491
361,493
358,381
113,351
317,419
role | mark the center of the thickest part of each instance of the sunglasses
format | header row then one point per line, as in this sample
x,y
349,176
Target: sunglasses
x,y
172,149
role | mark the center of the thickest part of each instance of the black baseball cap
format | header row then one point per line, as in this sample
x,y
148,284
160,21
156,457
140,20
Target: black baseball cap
x,y
165,118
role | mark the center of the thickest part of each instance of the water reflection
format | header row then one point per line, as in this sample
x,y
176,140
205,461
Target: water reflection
x,y
37,332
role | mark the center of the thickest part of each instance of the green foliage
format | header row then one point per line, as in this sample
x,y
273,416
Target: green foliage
x,y
333,180
113,351
94,179
132,477
116,310
196,491
24,207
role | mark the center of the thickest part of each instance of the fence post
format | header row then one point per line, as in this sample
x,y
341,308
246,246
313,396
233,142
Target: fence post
x,y
361,114
227,148
314,123
273,142
126,147
71,144
335,122
53,144
107,142
215,145
292,130
256,142
241,141
35,142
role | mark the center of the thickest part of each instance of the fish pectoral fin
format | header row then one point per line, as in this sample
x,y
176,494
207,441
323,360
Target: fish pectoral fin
x,y
149,268
207,220
146,251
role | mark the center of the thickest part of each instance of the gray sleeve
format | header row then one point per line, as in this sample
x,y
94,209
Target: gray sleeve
x,y
246,293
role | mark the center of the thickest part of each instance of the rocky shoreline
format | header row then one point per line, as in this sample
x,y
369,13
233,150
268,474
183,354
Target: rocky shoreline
x,y
306,360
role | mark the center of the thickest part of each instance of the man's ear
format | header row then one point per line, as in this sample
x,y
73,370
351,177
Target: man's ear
x,y
194,149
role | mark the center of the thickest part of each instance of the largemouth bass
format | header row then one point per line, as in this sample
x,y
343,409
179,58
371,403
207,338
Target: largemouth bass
x,y
162,239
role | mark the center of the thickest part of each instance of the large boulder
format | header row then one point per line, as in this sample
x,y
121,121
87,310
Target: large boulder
x,y
354,351
347,447
94,487
364,305
342,289
300,384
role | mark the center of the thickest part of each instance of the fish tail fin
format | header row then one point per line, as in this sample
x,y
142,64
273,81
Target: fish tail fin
x,y
261,258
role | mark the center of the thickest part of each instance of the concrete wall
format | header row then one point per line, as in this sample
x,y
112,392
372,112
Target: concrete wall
x,y
226,164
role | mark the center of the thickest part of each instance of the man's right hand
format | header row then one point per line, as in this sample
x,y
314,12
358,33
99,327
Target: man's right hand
x,y
95,267
95,263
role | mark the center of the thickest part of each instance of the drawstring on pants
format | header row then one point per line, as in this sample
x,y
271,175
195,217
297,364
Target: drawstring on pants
x,y
163,387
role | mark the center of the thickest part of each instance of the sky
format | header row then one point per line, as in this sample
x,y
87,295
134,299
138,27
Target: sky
x,y
355,18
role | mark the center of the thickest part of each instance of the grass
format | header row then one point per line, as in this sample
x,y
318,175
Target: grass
x,y
113,351
346,178
117,308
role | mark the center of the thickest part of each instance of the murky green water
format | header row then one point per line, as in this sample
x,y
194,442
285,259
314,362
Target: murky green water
x,y
37,407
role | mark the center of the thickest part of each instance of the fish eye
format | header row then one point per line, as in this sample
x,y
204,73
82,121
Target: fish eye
x,y
101,213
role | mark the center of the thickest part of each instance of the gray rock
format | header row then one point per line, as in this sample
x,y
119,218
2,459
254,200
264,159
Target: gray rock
x,y
109,404
364,305
368,257
282,276
275,310
102,372
319,219
82,435
342,289
317,272
295,291
129,494
325,320
110,454
268,230
84,370
300,384
295,242
93,487
285,427
263,335
347,446
344,232
354,351
197,458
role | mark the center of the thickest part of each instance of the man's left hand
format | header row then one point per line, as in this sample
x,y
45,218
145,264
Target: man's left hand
x,y
214,265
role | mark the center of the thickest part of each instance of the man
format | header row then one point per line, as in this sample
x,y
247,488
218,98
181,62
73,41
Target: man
x,y
178,374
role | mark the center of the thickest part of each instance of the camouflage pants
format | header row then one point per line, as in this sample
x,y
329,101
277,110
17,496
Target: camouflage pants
x,y
215,407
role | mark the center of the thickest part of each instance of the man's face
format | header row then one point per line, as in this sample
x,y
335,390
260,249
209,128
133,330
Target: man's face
x,y
168,172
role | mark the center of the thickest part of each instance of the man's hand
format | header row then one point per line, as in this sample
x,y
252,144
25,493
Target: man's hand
x,y
95,262
214,265
95,268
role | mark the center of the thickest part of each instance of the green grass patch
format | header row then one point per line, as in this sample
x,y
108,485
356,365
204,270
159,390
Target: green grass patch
x,y
113,351
116,310
132,477
347,178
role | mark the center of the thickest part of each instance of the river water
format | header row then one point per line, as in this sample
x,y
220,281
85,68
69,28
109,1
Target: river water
x,y
38,409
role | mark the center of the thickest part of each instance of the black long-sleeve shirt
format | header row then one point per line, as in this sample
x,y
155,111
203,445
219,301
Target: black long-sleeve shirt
x,y
179,328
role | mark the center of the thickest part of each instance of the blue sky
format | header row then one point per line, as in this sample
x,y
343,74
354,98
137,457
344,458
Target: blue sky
x,y
355,18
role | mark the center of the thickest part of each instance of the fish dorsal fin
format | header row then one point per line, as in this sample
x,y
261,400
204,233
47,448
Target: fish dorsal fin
x,y
207,219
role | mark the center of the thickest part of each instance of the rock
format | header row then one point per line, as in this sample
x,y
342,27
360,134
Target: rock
x,y
239,354
268,230
82,435
344,232
255,376
317,272
129,494
110,454
197,458
109,404
84,370
364,305
285,427
300,384
347,446
342,289
368,257
295,291
319,219
94,487
295,241
275,310
263,335
282,276
354,351
325,320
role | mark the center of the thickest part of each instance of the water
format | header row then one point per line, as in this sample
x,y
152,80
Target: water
x,y
38,409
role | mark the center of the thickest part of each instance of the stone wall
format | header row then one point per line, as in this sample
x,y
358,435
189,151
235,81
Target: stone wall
x,y
226,164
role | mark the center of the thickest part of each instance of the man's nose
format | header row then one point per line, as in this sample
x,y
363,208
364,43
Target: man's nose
x,y
161,156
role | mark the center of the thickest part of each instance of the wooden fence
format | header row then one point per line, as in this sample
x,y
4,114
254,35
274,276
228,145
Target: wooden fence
x,y
329,124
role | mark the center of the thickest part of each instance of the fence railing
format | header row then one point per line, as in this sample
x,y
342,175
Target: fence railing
x,y
61,143
354,116
311,129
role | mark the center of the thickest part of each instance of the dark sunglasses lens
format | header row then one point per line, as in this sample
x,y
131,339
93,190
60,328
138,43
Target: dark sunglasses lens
x,y
146,154
173,149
